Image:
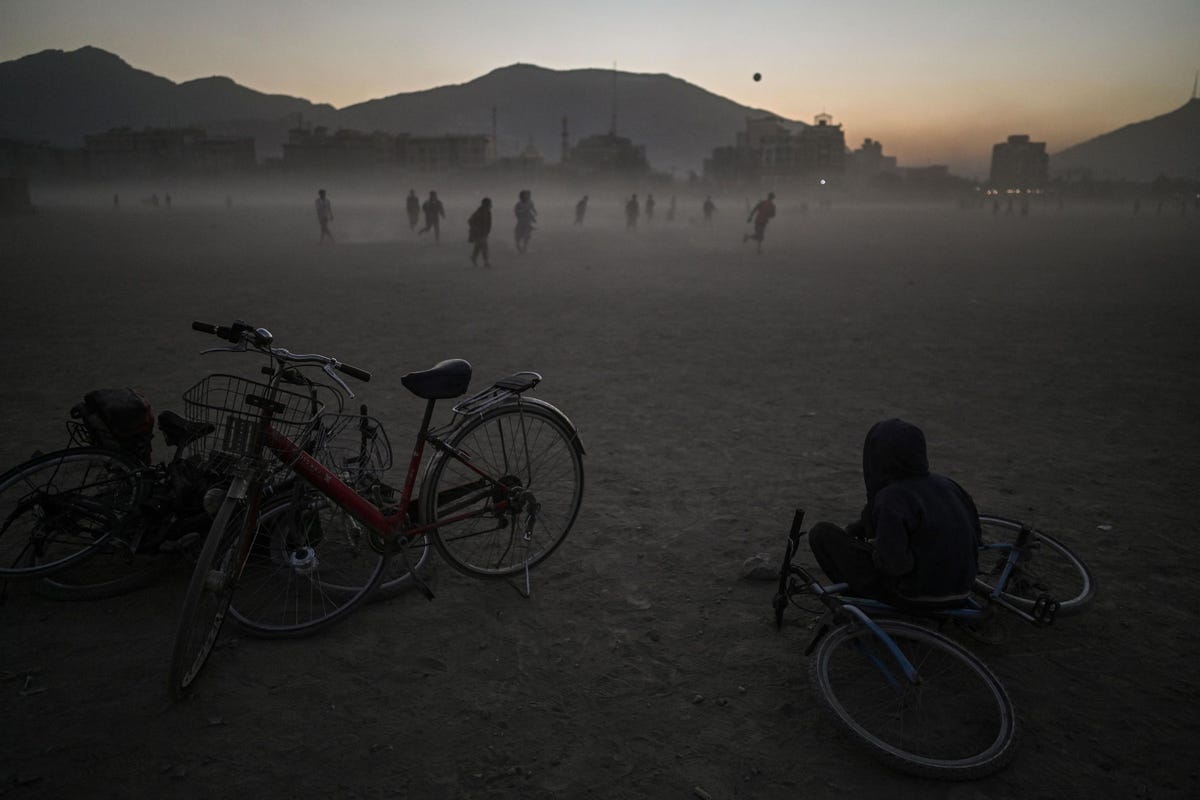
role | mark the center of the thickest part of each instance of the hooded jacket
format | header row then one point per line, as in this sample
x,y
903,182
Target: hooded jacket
x,y
925,526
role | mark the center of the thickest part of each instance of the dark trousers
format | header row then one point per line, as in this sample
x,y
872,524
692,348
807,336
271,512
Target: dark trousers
x,y
846,558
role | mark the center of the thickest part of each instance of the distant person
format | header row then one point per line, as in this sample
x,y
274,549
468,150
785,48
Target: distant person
x,y
434,212
709,207
632,212
116,201
412,207
581,210
761,214
324,215
154,200
649,208
526,216
671,210
916,540
479,225
167,201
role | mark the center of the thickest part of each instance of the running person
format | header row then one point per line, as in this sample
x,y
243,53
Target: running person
x,y
761,214
526,215
434,212
324,215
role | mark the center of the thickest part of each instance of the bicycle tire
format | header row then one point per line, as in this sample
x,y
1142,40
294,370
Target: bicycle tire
x,y
525,445
310,564
93,580
56,509
956,723
207,600
1050,568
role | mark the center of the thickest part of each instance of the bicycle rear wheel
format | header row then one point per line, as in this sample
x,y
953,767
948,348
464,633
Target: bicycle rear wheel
x,y
207,599
534,456
955,722
310,564
58,508
1046,567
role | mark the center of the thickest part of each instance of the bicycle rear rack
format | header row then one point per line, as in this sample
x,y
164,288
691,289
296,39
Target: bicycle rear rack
x,y
497,393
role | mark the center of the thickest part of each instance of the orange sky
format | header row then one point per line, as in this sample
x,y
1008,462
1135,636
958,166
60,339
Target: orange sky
x,y
936,82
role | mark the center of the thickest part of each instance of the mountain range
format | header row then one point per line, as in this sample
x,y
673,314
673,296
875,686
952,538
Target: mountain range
x,y
1164,145
59,97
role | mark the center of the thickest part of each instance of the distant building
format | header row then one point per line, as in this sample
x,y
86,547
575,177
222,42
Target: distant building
x,y
316,148
124,152
451,151
773,148
40,160
868,162
1019,164
607,154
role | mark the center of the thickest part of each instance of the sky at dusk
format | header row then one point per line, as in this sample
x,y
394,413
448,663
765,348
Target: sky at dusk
x,y
936,82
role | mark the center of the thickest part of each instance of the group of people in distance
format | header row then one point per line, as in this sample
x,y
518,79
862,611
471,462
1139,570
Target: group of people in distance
x,y
479,224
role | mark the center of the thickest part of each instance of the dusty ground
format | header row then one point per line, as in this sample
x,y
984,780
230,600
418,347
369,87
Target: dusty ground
x,y
1052,362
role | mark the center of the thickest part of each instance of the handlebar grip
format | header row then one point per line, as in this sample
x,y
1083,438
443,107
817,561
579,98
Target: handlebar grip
x,y
204,327
354,372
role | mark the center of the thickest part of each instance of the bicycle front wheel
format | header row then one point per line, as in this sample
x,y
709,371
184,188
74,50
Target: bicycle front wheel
x,y
208,596
310,564
1045,567
954,722
533,460
58,508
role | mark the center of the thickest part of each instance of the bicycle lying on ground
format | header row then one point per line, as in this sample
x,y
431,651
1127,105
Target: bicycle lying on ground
x,y
914,698
499,496
99,518
92,520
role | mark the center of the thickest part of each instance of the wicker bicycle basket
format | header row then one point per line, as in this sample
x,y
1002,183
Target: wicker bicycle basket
x,y
354,446
233,406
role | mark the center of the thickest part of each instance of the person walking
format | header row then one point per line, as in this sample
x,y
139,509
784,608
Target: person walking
x,y
324,215
526,215
580,210
709,207
479,225
761,214
434,212
412,207
632,212
649,208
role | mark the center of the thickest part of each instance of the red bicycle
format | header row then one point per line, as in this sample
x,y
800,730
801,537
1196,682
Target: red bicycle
x,y
498,496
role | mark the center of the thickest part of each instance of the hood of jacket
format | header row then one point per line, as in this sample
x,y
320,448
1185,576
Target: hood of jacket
x,y
894,450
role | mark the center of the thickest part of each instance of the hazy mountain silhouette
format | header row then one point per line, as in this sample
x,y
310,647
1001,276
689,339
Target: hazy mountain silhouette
x,y
1165,145
59,97
678,122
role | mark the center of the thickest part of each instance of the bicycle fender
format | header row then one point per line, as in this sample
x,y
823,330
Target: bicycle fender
x,y
576,442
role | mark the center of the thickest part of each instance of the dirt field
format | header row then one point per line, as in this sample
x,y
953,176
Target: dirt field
x,y
1051,360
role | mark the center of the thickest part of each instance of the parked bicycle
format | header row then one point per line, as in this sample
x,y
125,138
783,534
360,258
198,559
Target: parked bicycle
x,y
99,517
914,698
92,520
499,495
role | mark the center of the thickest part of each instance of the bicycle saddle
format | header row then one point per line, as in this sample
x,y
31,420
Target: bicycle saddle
x,y
449,378
176,430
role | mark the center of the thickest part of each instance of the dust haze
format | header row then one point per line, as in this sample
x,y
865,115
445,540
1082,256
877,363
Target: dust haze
x,y
1050,356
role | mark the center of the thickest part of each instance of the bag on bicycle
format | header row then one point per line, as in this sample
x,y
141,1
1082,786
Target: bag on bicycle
x,y
119,419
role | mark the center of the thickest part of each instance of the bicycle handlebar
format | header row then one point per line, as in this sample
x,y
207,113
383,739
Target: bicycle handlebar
x,y
244,335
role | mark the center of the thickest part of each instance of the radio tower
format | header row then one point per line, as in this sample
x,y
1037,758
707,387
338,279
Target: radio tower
x,y
613,131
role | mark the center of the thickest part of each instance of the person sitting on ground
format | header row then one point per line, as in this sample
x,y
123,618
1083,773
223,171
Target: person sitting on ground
x,y
917,540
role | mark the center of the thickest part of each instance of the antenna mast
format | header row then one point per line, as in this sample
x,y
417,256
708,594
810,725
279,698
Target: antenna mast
x,y
614,100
